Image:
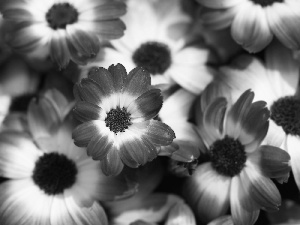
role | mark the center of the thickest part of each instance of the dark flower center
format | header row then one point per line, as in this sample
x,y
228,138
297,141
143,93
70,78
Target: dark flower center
x,y
153,56
54,172
285,112
265,3
60,15
228,156
118,120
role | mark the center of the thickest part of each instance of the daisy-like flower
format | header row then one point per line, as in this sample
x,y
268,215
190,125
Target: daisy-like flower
x,y
67,30
276,83
255,22
155,39
117,111
50,180
239,168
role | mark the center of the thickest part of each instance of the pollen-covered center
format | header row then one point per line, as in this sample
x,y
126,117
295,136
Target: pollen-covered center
x,y
265,3
153,56
54,173
285,112
228,156
118,120
60,15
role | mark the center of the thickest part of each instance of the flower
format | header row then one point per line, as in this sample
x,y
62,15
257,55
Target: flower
x,y
67,30
239,168
276,83
52,181
156,39
255,22
146,207
117,111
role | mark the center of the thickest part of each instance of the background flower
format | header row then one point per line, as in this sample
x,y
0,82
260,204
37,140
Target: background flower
x,y
67,30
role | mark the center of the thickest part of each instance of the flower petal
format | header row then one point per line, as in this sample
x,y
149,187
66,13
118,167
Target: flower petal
x,y
213,119
85,111
43,117
208,193
138,81
18,155
238,114
17,197
273,162
59,51
112,163
83,133
146,106
292,146
284,20
103,78
243,208
88,90
181,214
159,133
262,189
250,28
119,75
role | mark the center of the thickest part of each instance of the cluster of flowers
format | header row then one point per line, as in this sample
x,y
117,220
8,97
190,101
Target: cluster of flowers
x,y
142,112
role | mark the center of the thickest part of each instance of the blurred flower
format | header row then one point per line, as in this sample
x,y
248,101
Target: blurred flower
x,y
223,220
155,209
117,111
275,82
288,214
255,22
239,168
68,30
52,181
155,39
175,113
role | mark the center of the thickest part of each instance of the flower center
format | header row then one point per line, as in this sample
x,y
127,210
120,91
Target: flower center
x,y
153,56
118,120
228,156
54,172
265,3
60,15
285,112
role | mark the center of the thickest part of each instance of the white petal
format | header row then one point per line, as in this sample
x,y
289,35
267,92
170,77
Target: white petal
x,y
282,69
221,4
292,146
209,192
177,106
21,201
17,160
284,22
250,28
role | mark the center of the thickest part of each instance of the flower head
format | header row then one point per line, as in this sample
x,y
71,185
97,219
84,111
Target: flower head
x,y
156,39
117,111
239,168
276,83
68,30
52,181
255,22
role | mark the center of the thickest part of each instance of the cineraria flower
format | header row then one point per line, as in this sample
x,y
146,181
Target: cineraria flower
x,y
117,111
275,82
155,39
255,22
68,30
51,181
239,168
